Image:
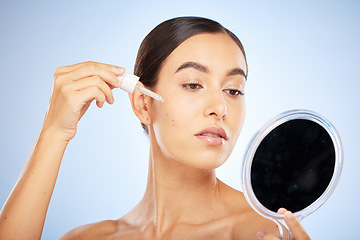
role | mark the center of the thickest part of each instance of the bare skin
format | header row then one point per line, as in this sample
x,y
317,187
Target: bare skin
x,y
183,198
236,221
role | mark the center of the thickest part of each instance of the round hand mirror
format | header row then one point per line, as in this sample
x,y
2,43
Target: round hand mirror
x,y
293,162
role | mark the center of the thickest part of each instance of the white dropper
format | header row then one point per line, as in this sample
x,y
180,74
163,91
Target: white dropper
x,y
129,83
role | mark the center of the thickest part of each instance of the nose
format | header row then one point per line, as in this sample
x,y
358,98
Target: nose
x,y
215,106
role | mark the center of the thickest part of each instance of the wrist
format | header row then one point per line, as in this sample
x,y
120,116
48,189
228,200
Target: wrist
x,y
54,135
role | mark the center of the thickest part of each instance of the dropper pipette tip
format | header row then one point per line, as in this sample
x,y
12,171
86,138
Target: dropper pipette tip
x,y
149,93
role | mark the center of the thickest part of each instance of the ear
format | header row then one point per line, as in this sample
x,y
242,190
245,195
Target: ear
x,y
140,104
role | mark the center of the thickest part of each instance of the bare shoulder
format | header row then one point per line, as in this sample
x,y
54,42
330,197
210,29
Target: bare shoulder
x,y
108,229
246,222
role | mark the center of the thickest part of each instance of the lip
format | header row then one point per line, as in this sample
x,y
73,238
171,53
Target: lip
x,y
207,135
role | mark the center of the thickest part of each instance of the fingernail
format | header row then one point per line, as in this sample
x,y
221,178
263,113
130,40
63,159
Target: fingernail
x,y
281,211
120,79
261,234
288,215
120,70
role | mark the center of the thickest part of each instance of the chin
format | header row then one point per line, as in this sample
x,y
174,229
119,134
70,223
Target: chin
x,y
208,161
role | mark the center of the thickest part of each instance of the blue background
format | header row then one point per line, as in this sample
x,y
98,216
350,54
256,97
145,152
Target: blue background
x,y
301,54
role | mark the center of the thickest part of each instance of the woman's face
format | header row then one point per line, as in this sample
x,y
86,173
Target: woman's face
x,y
202,82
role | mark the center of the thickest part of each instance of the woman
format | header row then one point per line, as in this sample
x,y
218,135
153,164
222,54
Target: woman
x,y
200,68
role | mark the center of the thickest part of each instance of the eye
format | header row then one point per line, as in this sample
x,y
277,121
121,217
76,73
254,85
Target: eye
x,y
234,92
192,86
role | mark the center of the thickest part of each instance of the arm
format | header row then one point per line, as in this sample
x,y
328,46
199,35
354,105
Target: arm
x,y
75,87
24,212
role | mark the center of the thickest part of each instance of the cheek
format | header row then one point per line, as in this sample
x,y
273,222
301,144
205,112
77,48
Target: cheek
x,y
168,132
176,121
238,118
168,120
176,112
172,122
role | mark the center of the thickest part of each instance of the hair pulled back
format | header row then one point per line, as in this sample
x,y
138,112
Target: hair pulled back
x,y
163,40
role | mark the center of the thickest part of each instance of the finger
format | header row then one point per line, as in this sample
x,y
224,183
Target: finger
x,y
115,69
94,81
118,71
89,94
88,71
282,211
297,231
265,236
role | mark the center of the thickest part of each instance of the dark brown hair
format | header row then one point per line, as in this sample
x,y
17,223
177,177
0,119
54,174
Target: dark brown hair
x,y
164,38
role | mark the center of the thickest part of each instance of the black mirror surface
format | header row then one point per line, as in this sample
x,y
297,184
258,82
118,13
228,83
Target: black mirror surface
x,y
293,165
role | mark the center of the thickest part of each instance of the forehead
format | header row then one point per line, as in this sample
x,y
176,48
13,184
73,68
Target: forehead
x,y
218,52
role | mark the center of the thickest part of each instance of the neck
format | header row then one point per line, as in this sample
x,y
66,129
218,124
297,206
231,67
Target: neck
x,y
176,193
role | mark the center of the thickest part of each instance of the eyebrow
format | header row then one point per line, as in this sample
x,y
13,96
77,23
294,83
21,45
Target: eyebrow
x,y
205,69
236,71
194,65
